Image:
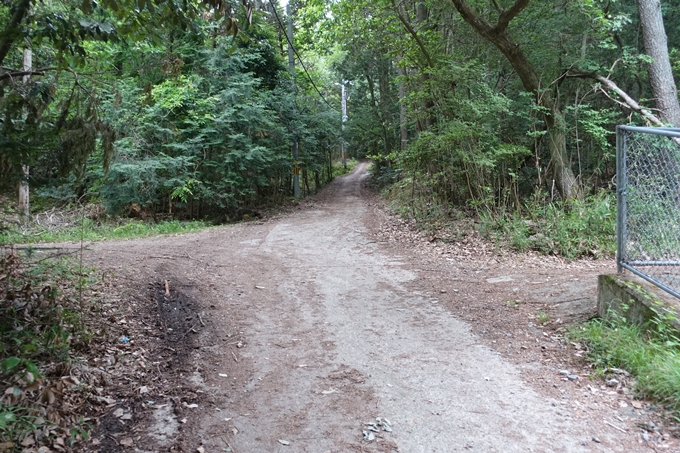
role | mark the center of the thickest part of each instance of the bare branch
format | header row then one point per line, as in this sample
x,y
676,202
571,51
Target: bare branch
x,y
510,13
497,6
414,34
10,73
629,101
616,101
611,70
471,16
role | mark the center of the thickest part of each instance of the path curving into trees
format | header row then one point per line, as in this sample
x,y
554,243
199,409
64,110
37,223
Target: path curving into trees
x,y
309,328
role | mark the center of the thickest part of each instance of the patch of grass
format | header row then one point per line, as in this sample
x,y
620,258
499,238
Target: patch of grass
x,y
339,169
542,316
17,422
570,229
91,230
651,353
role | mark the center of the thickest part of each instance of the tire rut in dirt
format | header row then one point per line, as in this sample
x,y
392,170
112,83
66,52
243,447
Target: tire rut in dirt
x,y
178,316
177,319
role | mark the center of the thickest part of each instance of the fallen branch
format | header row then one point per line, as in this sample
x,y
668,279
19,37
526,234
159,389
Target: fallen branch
x,y
627,100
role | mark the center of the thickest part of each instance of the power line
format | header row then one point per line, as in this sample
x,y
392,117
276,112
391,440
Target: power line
x,y
298,55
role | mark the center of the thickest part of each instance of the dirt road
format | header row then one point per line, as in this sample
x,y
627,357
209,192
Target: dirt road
x,y
290,335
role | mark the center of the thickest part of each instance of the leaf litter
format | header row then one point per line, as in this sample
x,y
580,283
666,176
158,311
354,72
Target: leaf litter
x,y
77,404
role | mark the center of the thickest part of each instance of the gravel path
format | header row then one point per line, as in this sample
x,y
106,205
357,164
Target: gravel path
x,y
312,328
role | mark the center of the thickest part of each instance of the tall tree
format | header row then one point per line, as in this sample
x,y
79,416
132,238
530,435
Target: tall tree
x,y
660,71
499,36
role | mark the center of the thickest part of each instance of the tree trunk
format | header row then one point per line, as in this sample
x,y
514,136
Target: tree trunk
x,y
13,29
378,112
403,125
660,72
330,167
498,35
305,179
421,18
565,180
386,100
24,193
24,205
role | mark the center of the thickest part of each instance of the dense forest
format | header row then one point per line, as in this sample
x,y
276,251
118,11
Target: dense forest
x,y
493,119
173,108
188,110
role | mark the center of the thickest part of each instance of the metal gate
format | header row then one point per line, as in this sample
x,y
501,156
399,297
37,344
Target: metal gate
x,y
648,201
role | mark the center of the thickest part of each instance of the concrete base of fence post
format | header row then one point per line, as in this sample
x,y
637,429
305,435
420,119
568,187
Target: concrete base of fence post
x,y
635,300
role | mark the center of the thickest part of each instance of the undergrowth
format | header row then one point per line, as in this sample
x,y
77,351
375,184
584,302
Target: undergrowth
x,y
571,229
42,326
651,353
339,169
430,214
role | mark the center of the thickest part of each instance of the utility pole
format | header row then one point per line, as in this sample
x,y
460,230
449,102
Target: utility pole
x,y
291,68
344,120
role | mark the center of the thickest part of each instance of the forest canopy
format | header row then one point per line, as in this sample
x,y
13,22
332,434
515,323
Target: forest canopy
x,y
187,108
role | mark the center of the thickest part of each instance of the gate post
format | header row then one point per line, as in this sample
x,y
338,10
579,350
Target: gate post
x,y
621,182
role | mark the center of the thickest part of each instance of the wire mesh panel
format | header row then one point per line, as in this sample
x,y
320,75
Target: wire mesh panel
x,y
648,186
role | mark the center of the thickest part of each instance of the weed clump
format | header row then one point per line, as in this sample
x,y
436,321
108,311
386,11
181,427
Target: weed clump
x,y
651,353
571,229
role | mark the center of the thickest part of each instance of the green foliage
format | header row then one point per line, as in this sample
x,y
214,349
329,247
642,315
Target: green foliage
x,y
339,169
460,164
17,422
382,175
198,145
90,230
570,229
191,144
650,353
54,111
182,120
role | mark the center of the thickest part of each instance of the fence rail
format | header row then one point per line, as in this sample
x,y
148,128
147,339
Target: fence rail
x,y
648,202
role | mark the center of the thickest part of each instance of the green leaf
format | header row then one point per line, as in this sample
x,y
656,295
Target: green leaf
x,y
32,368
29,348
6,417
10,363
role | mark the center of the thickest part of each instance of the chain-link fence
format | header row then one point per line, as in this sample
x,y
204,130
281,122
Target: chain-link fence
x,y
648,188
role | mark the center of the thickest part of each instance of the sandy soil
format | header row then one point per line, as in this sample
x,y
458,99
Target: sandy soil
x,y
294,333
